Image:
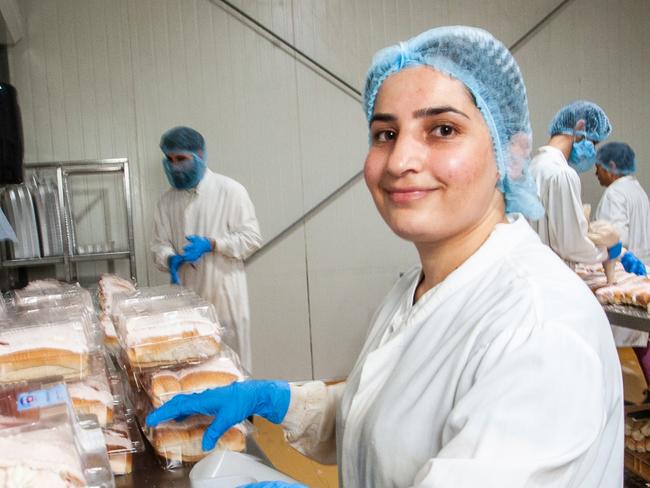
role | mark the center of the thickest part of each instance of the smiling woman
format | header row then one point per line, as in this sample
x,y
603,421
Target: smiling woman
x,y
490,363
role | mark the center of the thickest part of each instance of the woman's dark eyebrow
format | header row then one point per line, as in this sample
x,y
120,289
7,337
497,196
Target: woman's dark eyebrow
x,y
430,111
382,118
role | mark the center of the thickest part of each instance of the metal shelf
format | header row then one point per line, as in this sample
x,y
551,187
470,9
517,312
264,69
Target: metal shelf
x,y
626,316
96,256
17,263
69,259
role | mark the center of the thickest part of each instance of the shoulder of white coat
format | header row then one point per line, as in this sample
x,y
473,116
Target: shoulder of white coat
x,y
226,182
554,292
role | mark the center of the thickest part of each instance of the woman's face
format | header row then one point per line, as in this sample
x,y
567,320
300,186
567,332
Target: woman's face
x,y
430,167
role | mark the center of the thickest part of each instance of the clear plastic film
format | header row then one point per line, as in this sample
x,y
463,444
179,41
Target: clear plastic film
x,y
39,343
221,370
123,441
41,440
30,298
164,333
178,443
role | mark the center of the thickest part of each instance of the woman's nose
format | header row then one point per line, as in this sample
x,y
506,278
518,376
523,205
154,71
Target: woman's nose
x,y
407,156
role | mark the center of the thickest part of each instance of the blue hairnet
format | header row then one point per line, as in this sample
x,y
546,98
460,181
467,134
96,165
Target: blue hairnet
x,y
619,153
486,67
182,139
597,126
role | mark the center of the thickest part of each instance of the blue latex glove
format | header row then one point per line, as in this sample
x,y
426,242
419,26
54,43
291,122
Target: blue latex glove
x,y
174,263
615,250
197,247
274,484
632,264
229,405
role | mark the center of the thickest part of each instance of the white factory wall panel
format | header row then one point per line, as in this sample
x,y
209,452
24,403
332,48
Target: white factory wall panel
x,y
353,260
277,283
596,50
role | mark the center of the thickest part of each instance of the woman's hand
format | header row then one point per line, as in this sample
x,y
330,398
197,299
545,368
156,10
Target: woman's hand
x,y
229,405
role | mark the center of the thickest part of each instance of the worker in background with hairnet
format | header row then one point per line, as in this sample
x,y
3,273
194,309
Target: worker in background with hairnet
x,y
489,363
204,227
575,131
624,202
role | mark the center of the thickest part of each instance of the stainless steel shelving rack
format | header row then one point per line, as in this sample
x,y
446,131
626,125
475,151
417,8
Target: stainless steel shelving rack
x,y
629,317
70,258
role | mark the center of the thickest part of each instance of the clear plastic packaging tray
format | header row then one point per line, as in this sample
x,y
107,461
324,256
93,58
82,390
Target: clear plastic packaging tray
x,y
163,333
162,385
41,440
154,296
45,297
123,441
41,343
98,394
179,443
109,287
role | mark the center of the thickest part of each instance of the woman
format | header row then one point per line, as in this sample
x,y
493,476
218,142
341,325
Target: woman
x,y
490,364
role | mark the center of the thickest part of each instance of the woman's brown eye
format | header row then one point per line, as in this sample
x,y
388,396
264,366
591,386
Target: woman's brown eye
x,y
385,135
446,130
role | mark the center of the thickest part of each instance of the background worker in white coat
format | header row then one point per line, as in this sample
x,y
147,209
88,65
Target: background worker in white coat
x,y
575,130
204,227
624,202
490,363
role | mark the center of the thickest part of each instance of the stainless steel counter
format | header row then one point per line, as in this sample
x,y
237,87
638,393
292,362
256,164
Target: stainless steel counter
x,y
148,473
627,316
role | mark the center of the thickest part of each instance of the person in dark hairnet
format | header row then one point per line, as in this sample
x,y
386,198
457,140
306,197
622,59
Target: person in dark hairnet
x,y
204,227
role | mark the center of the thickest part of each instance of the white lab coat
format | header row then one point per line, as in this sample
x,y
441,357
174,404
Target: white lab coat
x,y
219,208
625,204
504,375
564,226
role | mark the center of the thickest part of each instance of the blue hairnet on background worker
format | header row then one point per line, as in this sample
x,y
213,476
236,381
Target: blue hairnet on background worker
x,y
575,131
204,227
490,363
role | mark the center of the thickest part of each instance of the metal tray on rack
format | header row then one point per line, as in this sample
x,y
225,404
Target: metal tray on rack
x,y
48,215
19,209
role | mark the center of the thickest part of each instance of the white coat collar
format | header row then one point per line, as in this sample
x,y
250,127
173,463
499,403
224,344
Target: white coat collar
x,y
502,241
204,184
556,153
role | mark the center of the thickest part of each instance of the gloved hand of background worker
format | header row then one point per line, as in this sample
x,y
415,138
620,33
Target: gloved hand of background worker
x,y
174,263
197,247
273,484
229,405
615,251
632,264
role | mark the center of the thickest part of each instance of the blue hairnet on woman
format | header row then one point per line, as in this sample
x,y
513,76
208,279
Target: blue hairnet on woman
x,y
489,363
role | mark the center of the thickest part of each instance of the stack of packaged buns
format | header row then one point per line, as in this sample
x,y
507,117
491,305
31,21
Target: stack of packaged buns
x,y
53,331
171,344
627,289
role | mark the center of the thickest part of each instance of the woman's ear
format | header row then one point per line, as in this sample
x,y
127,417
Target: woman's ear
x,y
580,125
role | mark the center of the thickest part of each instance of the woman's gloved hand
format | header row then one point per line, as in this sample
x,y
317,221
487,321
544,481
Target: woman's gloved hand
x,y
197,247
174,263
229,405
632,264
274,484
